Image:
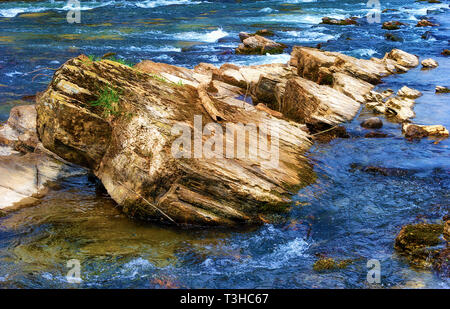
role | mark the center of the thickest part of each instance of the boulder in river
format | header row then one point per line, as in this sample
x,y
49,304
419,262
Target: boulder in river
x,y
446,52
392,25
259,45
415,131
429,63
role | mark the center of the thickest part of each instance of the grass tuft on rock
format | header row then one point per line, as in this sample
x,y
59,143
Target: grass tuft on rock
x,y
108,100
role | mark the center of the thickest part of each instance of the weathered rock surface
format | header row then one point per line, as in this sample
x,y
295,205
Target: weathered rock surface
x,y
307,102
419,131
259,45
429,63
409,93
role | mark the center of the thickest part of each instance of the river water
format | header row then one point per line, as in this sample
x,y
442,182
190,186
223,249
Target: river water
x,y
346,214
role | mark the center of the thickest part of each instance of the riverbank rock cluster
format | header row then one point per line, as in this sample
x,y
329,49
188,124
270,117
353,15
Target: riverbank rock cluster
x,y
122,122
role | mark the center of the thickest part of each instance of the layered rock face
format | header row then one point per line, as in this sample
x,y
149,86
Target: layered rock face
x,y
123,123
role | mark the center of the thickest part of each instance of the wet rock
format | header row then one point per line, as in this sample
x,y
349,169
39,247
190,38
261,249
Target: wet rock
x,y
403,58
339,22
392,25
441,262
393,37
384,171
326,264
446,52
265,32
397,108
409,93
416,242
442,89
414,131
427,35
372,123
429,63
389,10
259,45
425,23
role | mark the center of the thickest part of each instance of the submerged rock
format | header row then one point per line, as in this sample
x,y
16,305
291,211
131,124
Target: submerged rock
x,y
325,264
429,63
418,243
372,123
393,37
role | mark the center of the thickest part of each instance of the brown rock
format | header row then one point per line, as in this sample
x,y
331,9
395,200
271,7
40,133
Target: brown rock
x,y
372,123
259,45
425,23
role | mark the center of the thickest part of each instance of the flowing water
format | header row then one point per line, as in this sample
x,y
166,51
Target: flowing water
x,y
346,214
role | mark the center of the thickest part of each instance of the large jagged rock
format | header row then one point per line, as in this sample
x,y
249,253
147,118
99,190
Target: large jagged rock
x,y
131,151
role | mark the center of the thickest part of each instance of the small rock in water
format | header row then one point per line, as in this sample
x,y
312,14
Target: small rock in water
x,y
429,63
392,25
376,135
339,22
442,89
372,123
425,23
393,37
258,45
409,93
446,52
414,131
